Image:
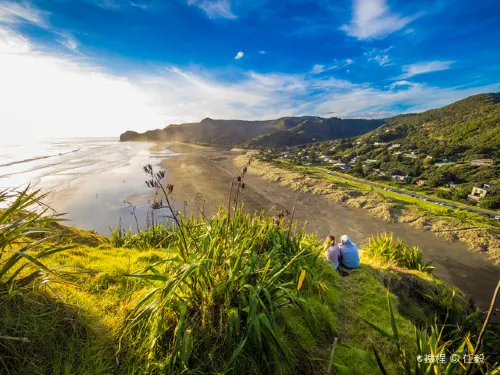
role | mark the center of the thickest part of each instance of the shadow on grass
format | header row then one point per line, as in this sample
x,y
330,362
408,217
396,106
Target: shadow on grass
x,y
42,335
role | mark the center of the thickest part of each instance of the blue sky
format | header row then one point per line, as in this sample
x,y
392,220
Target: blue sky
x,y
99,67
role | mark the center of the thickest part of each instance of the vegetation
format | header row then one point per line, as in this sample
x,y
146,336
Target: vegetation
x,y
231,294
285,131
385,247
453,148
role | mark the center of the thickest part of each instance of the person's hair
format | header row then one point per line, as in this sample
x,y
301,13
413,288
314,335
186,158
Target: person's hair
x,y
329,240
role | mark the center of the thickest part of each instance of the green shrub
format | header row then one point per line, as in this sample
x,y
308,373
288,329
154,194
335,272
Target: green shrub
x,y
490,202
385,247
214,307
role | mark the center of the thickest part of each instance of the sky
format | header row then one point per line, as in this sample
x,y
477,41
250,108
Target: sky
x,y
100,67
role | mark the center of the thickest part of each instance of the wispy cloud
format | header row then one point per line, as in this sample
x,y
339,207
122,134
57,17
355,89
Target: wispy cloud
x,y
320,68
424,67
372,19
239,55
262,52
107,104
14,14
402,83
215,8
380,56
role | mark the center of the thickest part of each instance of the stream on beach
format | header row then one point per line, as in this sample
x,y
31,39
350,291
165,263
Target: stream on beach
x,y
90,179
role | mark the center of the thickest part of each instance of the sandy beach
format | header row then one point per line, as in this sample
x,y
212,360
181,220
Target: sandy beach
x,y
202,176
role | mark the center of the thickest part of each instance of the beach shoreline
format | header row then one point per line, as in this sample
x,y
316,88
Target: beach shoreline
x,y
201,177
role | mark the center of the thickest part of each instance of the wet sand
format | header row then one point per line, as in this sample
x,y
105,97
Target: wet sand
x,y
208,173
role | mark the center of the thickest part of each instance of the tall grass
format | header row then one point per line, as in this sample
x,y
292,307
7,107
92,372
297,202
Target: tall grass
x,y
25,224
436,355
153,237
386,248
215,308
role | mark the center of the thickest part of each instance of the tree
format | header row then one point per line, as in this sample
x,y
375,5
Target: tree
x,y
490,202
459,194
358,168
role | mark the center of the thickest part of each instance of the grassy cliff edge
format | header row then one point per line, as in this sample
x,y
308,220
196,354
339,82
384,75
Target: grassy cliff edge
x,y
228,294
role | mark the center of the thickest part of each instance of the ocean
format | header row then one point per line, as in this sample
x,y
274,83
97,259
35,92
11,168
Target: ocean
x,y
89,179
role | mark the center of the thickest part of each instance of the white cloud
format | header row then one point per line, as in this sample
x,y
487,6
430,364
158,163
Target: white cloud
x,y
215,8
239,55
381,59
372,19
13,14
262,52
402,83
58,96
424,67
318,68
379,56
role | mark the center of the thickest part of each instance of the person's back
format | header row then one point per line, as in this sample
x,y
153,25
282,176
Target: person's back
x,y
349,253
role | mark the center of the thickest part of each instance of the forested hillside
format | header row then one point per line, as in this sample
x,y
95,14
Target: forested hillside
x,y
286,131
452,148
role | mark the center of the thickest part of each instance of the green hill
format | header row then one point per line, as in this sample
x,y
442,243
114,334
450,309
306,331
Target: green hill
x,y
286,131
465,130
458,144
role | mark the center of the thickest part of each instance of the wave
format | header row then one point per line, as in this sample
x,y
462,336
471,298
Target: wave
x,y
38,158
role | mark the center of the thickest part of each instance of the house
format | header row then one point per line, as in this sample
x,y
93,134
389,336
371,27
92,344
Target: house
x,y
379,143
397,153
482,162
452,185
341,166
395,145
370,161
401,179
444,162
410,155
477,193
421,182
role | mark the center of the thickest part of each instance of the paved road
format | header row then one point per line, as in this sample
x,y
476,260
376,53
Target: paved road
x,y
409,193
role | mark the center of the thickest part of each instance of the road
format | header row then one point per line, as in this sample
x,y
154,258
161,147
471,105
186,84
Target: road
x,y
408,193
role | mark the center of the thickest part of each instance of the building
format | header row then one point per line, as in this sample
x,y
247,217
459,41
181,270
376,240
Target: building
x,y
401,179
411,155
482,162
421,182
341,166
477,193
444,162
395,145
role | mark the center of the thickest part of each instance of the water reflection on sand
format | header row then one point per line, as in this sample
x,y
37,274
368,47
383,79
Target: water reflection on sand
x,y
92,183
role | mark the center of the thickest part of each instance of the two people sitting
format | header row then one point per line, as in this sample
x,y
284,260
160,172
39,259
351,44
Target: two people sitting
x,y
344,254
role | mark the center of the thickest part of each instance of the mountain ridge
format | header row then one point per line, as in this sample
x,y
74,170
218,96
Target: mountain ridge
x,y
284,131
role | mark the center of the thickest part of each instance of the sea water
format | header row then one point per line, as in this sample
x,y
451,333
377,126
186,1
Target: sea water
x,y
89,179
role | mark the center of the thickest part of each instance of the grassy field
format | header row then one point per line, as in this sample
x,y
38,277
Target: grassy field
x,y
230,294
466,217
